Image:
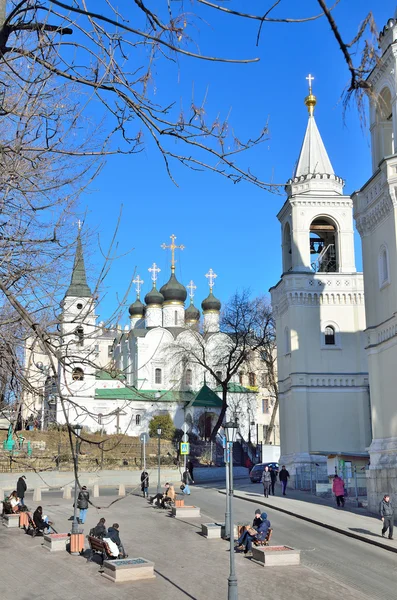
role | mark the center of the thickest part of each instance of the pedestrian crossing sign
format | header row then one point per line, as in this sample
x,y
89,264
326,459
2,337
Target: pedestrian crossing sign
x,y
185,447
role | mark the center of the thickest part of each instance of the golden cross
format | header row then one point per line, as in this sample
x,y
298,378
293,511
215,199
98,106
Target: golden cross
x,y
172,247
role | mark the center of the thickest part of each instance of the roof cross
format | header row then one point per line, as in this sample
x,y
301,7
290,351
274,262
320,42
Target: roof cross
x,y
310,78
191,287
154,270
172,247
211,276
138,284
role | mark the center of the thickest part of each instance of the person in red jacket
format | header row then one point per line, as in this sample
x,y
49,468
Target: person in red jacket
x,y
338,487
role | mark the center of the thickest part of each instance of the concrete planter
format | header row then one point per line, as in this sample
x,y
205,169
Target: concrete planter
x,y
275,556
186,512
11,521
213,531
128,569
56,542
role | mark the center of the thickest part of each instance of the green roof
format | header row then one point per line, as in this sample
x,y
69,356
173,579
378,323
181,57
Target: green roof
x,y
235,388
106,376
207,398
125,393
78,285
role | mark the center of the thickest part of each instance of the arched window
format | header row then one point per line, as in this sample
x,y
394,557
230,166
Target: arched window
x,y
176,317
219,374
287,249
287,341
383,266
79,333
188,377
240,378
137,419
100,416
324,245
329,336
384,123
157,376
77,374
251,379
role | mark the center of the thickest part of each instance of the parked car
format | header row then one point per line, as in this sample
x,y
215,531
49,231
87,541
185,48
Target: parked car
x,y
257,470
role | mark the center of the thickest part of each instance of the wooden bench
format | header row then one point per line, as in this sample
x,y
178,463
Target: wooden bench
x,y
101,547
266,541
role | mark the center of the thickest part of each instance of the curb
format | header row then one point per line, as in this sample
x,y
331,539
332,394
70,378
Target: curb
x,y
315,522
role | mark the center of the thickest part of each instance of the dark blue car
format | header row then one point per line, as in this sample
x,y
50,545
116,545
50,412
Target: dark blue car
x,y
257,470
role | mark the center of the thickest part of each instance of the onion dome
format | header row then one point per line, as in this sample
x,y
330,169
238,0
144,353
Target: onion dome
x,y
154,297
211,304
136,309
173,291
192,314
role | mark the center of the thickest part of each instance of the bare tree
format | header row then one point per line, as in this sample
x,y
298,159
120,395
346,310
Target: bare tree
x,y
246,329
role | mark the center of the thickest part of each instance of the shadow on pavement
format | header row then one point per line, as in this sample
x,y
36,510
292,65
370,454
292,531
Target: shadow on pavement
x,y
365,531
175,585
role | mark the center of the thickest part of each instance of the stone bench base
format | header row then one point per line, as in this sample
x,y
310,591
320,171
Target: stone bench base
x,y
186,512
11,520
56,542
128,569
275,556
213,531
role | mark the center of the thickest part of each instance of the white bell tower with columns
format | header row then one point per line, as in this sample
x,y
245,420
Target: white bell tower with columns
x,y
318,306
375,211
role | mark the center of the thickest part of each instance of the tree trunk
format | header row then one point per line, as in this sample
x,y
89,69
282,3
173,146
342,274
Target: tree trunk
x,y
221,415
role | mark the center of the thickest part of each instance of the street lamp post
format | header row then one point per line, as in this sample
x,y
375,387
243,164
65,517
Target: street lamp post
x,y
75,529
231,432
227,510
158,475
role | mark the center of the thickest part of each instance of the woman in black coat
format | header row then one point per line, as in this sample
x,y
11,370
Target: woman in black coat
x,y
82,503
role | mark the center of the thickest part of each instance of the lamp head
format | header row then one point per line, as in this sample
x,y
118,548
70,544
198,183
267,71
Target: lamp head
x,y
230,431
158,431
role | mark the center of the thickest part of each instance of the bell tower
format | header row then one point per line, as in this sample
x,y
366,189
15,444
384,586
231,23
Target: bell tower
x,y
375,211
319,310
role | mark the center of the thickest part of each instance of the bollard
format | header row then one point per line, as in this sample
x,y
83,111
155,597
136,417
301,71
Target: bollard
x,y
95,492
37,495
67,492
121,489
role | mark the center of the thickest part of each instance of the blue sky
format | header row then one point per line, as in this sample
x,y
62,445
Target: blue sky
x,y
232,228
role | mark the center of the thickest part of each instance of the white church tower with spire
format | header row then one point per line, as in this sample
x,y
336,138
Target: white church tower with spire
x,y
319,310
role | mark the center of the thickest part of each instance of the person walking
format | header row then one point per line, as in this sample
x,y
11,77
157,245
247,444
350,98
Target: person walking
x,y
266,481
82,503
386,510
190,469
145,483
273,475
338,488
283,476
21,489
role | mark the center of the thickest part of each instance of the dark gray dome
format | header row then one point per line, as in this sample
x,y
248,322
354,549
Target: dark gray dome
x,y
154,296
192,313
136,308
211,303
173,290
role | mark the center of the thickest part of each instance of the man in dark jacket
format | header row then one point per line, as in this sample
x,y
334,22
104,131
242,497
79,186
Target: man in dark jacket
x,y
21,488
266,481
273,476
99,531
283,476
145,483
113,534
82,503
387,515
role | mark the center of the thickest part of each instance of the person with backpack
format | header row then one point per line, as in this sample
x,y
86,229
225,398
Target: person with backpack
x,y
82,503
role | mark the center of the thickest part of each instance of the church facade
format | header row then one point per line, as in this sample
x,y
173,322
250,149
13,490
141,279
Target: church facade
x,y
375,211
320,317
116,380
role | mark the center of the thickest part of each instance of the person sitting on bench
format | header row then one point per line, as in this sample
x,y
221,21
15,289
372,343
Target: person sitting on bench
x,y
249,536
14,501
113,534
41,521
99,531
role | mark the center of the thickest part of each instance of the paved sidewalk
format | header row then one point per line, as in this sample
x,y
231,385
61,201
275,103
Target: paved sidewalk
x,y
187,565
351,521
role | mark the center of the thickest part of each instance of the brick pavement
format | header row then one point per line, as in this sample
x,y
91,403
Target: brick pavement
x,y
187,565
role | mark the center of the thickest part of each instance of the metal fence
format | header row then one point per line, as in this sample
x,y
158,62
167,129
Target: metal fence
x,y
315,479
